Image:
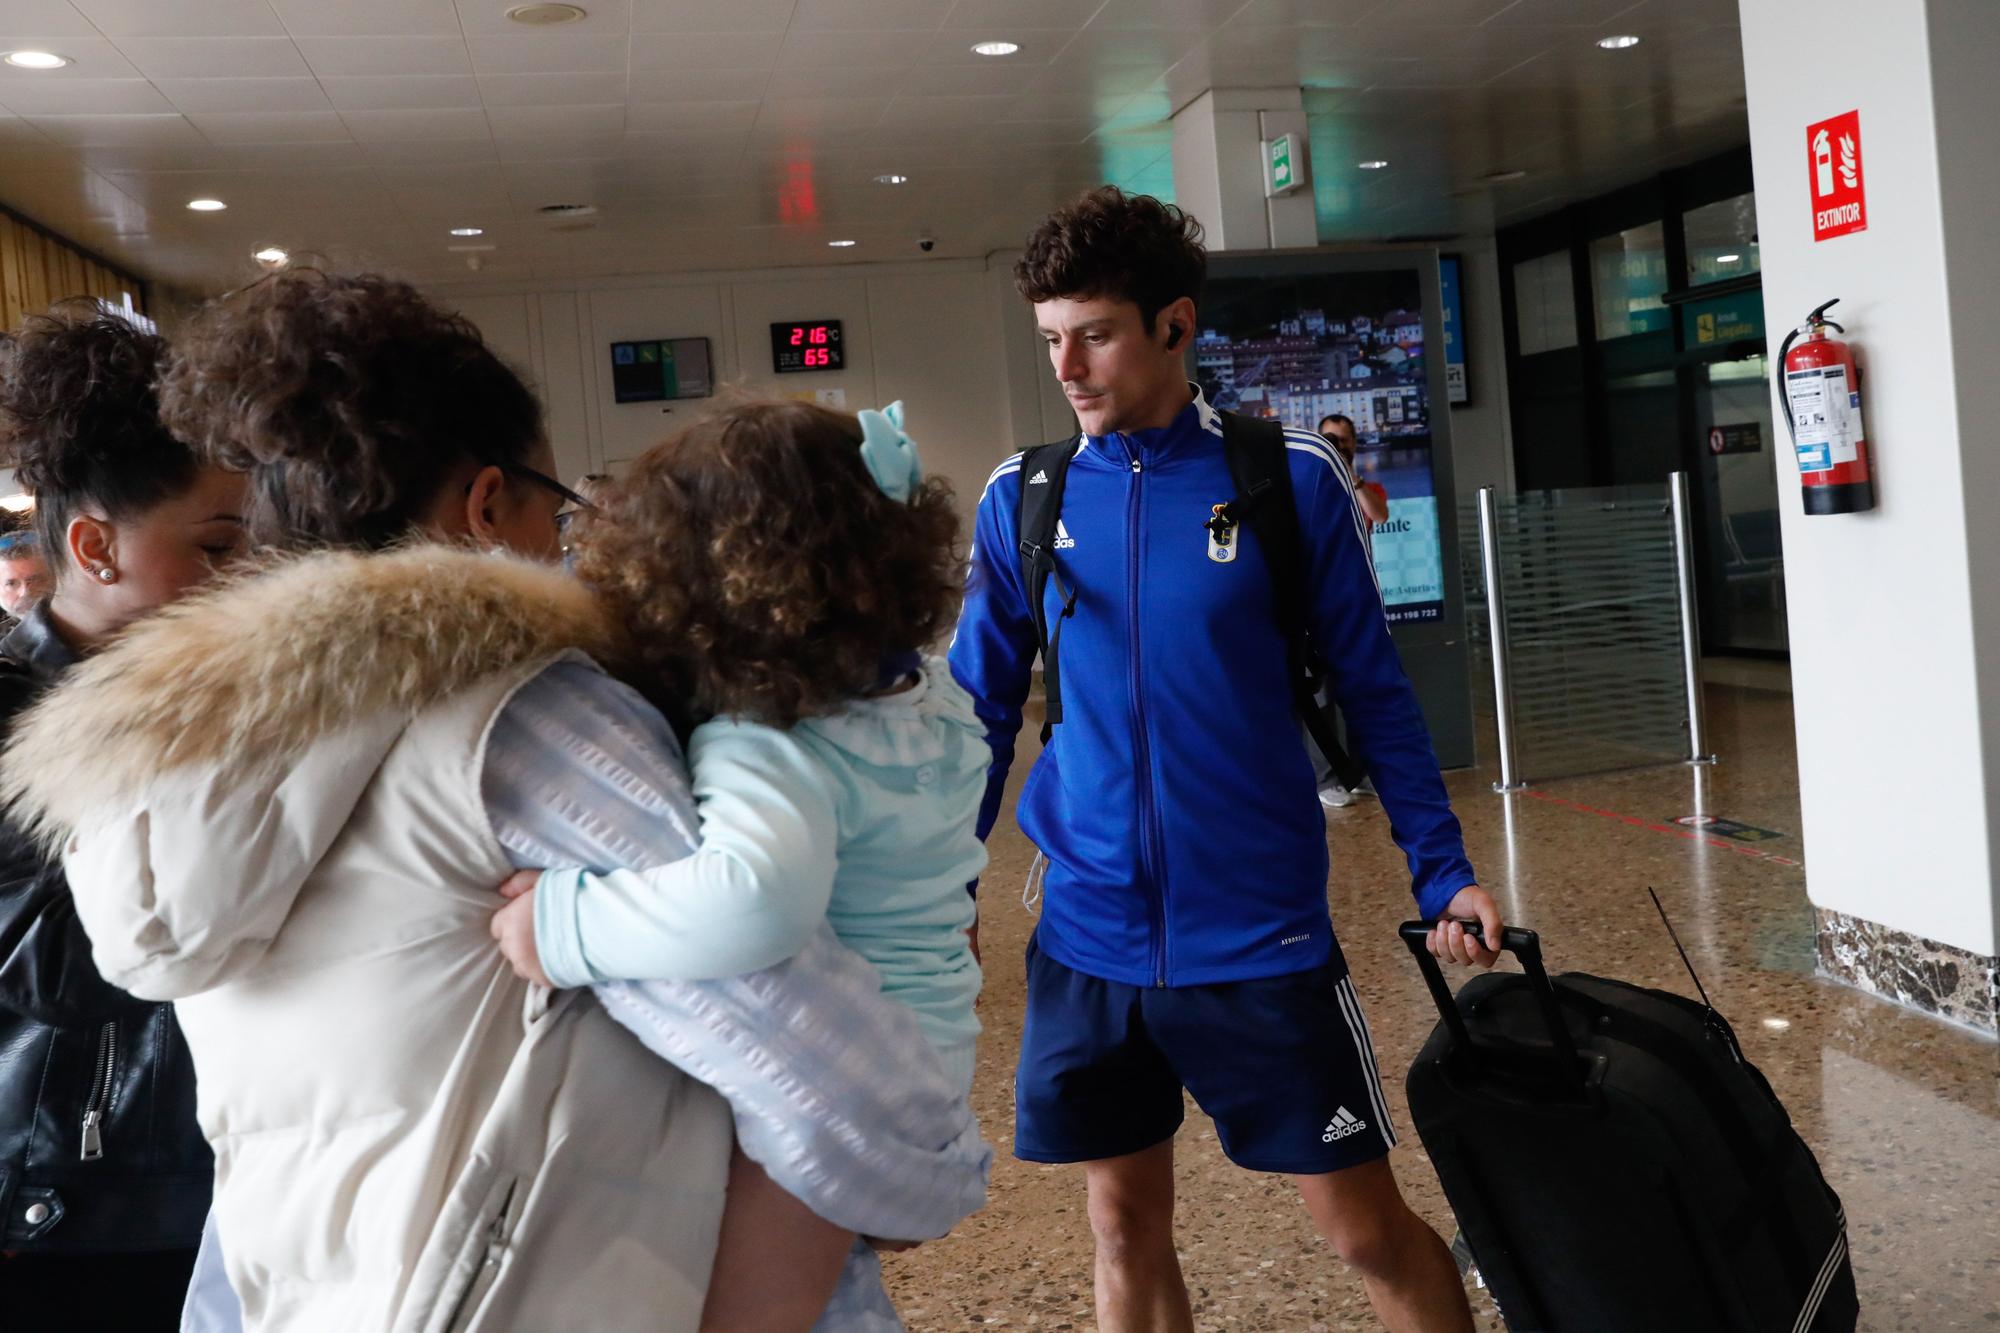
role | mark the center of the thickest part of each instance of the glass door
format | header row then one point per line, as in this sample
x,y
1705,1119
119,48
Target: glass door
x,y
1738,478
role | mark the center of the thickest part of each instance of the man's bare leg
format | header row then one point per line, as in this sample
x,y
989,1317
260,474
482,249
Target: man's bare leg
x,y
1411,1279
1139,1285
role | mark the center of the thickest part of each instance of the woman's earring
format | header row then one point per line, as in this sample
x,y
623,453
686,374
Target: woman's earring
x,y
108,574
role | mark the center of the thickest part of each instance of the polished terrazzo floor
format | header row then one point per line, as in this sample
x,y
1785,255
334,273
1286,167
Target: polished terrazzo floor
x,y
1903,1110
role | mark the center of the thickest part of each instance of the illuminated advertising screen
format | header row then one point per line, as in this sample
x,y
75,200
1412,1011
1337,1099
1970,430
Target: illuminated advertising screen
x,y
1299,347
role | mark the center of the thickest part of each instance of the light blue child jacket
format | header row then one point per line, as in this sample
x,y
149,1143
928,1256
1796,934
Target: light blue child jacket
x,y
863,819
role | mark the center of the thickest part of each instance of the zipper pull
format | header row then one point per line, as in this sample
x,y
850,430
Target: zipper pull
x,y
1135,466
93,1135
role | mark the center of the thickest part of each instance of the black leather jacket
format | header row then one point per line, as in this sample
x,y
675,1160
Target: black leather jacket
x,y
98,1145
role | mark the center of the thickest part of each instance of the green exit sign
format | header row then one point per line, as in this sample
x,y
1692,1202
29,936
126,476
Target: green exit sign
x,y
1283,160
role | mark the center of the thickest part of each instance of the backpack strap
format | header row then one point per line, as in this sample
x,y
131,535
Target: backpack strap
x,y
1044,471
1264,500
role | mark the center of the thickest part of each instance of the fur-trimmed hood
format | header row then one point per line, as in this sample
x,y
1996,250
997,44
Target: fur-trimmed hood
x,y
246,675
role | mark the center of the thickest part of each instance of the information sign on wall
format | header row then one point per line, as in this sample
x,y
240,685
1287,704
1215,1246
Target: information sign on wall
x,y
1833,164
1450,295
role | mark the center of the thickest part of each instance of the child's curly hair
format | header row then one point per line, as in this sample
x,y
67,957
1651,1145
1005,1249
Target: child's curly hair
x,y
762,573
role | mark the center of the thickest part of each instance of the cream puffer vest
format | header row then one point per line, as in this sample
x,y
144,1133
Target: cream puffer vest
x,y
285,836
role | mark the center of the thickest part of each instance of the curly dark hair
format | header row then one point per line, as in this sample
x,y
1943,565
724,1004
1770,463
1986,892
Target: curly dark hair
x,y
349,401
762,573
1129,247
79,421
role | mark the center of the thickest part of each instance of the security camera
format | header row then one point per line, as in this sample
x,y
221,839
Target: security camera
x,y
926,243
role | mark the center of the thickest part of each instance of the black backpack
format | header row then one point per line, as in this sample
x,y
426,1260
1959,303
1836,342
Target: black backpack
x,y
1263,478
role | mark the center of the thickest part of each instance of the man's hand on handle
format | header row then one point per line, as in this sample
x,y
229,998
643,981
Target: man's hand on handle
x,y
1449,942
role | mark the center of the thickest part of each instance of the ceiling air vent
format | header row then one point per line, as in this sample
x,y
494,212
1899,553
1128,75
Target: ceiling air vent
x,y
545,16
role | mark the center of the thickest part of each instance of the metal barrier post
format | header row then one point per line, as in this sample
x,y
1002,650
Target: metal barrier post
x,y
1698,752
1496,619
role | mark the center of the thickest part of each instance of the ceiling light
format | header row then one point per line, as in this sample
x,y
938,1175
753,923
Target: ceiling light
x,y
995,48
468,231
840,245
1777,1024
1372,164
36,60
1729,259
1622,42
17,504
546,16
206,205
1508,174
271,255
892,179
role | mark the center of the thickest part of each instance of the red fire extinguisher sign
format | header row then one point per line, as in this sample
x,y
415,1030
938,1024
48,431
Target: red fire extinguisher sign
x,y
1839,191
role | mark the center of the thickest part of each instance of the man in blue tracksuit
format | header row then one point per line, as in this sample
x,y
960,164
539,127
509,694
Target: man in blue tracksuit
x,y
1184,938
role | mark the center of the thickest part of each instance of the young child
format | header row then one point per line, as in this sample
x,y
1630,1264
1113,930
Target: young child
x,y
780,568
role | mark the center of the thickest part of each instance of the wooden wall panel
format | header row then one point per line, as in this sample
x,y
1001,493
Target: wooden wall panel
x,y
11,307
37,269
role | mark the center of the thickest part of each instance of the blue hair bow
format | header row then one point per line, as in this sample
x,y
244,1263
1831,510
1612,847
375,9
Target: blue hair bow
x,y
891,455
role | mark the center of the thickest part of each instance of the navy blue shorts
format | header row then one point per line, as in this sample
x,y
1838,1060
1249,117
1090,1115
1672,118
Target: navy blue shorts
x,y
1283,1065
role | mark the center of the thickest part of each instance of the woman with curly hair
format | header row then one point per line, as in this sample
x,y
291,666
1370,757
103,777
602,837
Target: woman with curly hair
x,y
784,571
104,1174
287,805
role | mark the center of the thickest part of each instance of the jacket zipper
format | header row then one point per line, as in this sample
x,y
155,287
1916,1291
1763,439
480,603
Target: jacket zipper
x,y
100,1091
498,1233
1141,750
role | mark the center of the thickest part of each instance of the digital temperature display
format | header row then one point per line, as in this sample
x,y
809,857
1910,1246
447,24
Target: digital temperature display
x,y
812,344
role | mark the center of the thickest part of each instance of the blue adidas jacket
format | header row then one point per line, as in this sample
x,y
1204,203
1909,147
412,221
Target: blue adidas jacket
x,y
1176,801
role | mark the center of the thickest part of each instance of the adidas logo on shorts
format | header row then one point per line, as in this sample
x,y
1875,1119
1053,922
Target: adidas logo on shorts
x,y
1341,1126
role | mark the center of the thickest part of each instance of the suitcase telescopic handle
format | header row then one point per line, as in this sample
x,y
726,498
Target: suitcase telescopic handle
x,y
1525,945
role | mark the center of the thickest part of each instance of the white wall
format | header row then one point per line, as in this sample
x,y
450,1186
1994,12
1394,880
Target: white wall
x,y
1895,614
949,337
930,334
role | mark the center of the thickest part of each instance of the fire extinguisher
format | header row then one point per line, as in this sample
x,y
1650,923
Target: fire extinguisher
x,y
1823,414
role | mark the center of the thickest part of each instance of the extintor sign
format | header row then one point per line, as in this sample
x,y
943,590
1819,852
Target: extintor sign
x,y
1833,163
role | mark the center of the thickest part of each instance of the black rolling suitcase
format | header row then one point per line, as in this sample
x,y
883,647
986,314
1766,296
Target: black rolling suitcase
x,y
1616,1165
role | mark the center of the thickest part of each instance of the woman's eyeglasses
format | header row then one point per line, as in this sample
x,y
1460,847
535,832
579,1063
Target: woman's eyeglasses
x,y
543,479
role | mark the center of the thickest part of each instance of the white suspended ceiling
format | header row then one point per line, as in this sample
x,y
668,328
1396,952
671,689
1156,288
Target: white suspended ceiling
x,y
745,133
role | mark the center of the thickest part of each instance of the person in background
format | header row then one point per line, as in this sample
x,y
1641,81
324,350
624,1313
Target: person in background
x,y
1342,778
1371,498
104,1173
24,575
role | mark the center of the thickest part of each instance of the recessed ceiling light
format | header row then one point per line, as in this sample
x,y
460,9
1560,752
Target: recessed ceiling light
x,y
840,245
995,48
206,205
36,60
1777,1024
1509,174
546,16
271,255
892,179
1622,42
468,231
1729,259
1372,164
